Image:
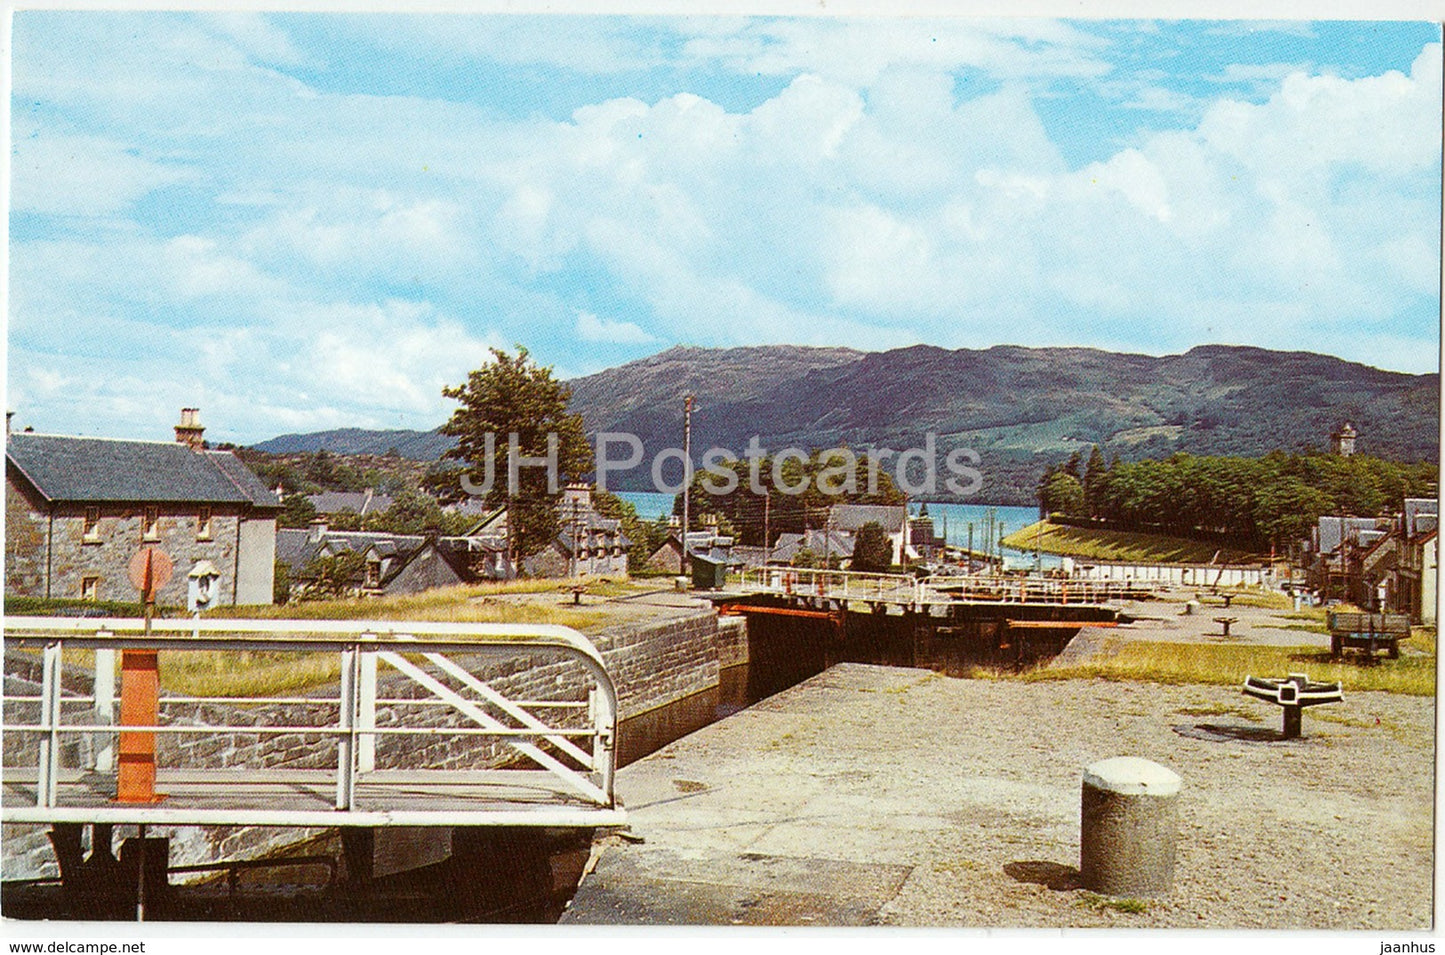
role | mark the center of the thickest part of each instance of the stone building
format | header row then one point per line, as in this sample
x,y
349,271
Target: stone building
x,y
395,563
78,509
1342,442
587,543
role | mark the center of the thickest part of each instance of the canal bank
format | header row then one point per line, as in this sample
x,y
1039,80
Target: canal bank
x,y
882,795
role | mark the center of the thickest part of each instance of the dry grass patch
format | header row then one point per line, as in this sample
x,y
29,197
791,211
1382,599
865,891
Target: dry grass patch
x,y
463,604
1227,665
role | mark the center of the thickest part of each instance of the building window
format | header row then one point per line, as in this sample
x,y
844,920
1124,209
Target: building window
x,y
203,524
373,573
150,524
91,534
90,588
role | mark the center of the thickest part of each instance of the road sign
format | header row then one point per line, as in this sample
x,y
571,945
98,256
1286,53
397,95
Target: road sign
x,y
150,569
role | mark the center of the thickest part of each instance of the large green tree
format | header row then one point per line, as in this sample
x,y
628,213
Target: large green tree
x,y
872,551
1062,493
512,395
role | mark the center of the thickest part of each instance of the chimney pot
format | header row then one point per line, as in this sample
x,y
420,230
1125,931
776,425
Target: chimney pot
x,y
190,431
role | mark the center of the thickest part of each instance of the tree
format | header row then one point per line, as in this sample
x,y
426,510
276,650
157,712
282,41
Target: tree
x,y
296,511
872,550
512,395
333,576
281,583
1063,494
414,512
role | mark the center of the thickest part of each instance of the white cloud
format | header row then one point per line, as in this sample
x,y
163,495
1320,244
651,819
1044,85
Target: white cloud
x,y
58,173
858,51
590,328
345,255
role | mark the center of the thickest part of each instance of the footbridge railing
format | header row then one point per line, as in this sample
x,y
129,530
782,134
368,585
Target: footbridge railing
x,y
401,723
927,591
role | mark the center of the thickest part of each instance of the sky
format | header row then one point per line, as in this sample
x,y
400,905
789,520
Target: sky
x,y
308,221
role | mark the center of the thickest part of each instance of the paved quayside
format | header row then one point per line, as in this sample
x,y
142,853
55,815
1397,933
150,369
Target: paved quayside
x,y
878,795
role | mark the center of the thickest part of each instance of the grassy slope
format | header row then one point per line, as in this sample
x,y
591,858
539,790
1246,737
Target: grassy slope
x,y
224,674
1091,543
1180,663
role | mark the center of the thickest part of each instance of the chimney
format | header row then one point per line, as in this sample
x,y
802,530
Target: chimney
x,y
189,431
8,416
318,530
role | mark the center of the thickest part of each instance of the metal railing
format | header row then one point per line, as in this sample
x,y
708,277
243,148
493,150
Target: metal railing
x,y
438,658
922,591
1033,589
840,584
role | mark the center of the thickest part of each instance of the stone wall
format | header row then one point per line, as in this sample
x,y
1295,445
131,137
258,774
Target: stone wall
x,y
651,665
38,545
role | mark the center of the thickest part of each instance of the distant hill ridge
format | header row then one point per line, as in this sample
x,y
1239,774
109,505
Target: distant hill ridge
x,y
1018,407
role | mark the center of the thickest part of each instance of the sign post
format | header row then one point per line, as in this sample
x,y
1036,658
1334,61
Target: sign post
x,y
140,689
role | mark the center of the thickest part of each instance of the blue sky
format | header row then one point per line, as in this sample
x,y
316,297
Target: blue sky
x,y
298,222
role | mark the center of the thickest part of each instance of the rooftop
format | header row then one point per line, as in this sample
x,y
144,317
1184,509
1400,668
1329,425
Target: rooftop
x,y
74,469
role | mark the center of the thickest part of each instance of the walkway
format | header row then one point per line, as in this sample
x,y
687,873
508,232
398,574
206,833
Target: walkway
x,y
895,796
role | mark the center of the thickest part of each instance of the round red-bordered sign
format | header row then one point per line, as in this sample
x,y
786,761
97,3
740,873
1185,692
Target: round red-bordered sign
x,y
150,561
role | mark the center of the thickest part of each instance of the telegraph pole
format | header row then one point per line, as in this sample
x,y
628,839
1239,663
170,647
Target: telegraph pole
x,y
828,540
686,476
767,527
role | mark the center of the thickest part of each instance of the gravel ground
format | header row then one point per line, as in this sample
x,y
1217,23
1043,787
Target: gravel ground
x,y
1334,831
969,789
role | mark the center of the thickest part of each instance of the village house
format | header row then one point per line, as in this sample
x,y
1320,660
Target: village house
x,y
849,519
587,543
78,509
925,541
1378,563
1334,552
395,563
825,546
667,559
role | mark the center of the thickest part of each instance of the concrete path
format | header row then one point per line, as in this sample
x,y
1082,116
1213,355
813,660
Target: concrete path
x,y
879,795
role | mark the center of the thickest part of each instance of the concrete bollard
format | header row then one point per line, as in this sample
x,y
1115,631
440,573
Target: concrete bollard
x,y
1130,821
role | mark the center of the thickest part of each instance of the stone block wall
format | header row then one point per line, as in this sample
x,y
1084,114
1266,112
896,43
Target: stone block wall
x,y
48,555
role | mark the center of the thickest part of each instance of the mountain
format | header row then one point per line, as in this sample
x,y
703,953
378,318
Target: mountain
x,y
416,445
1019,408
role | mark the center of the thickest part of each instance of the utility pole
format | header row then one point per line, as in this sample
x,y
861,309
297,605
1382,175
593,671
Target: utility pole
x,y
970,547
686,476
1038,548
767,527
828,540
576,537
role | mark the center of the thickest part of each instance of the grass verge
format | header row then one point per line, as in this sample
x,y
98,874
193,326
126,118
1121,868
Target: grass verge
x,y
1127,546
1226,665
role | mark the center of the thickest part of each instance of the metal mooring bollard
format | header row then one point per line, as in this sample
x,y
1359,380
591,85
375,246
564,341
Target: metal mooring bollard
x,y
1130,822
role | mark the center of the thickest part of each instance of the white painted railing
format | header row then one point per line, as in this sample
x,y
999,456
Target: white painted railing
x,y
440,658
911,591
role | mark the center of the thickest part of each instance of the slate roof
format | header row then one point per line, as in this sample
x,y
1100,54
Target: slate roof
x,y
296,549
71,469
1422,514
788,545
1357,529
